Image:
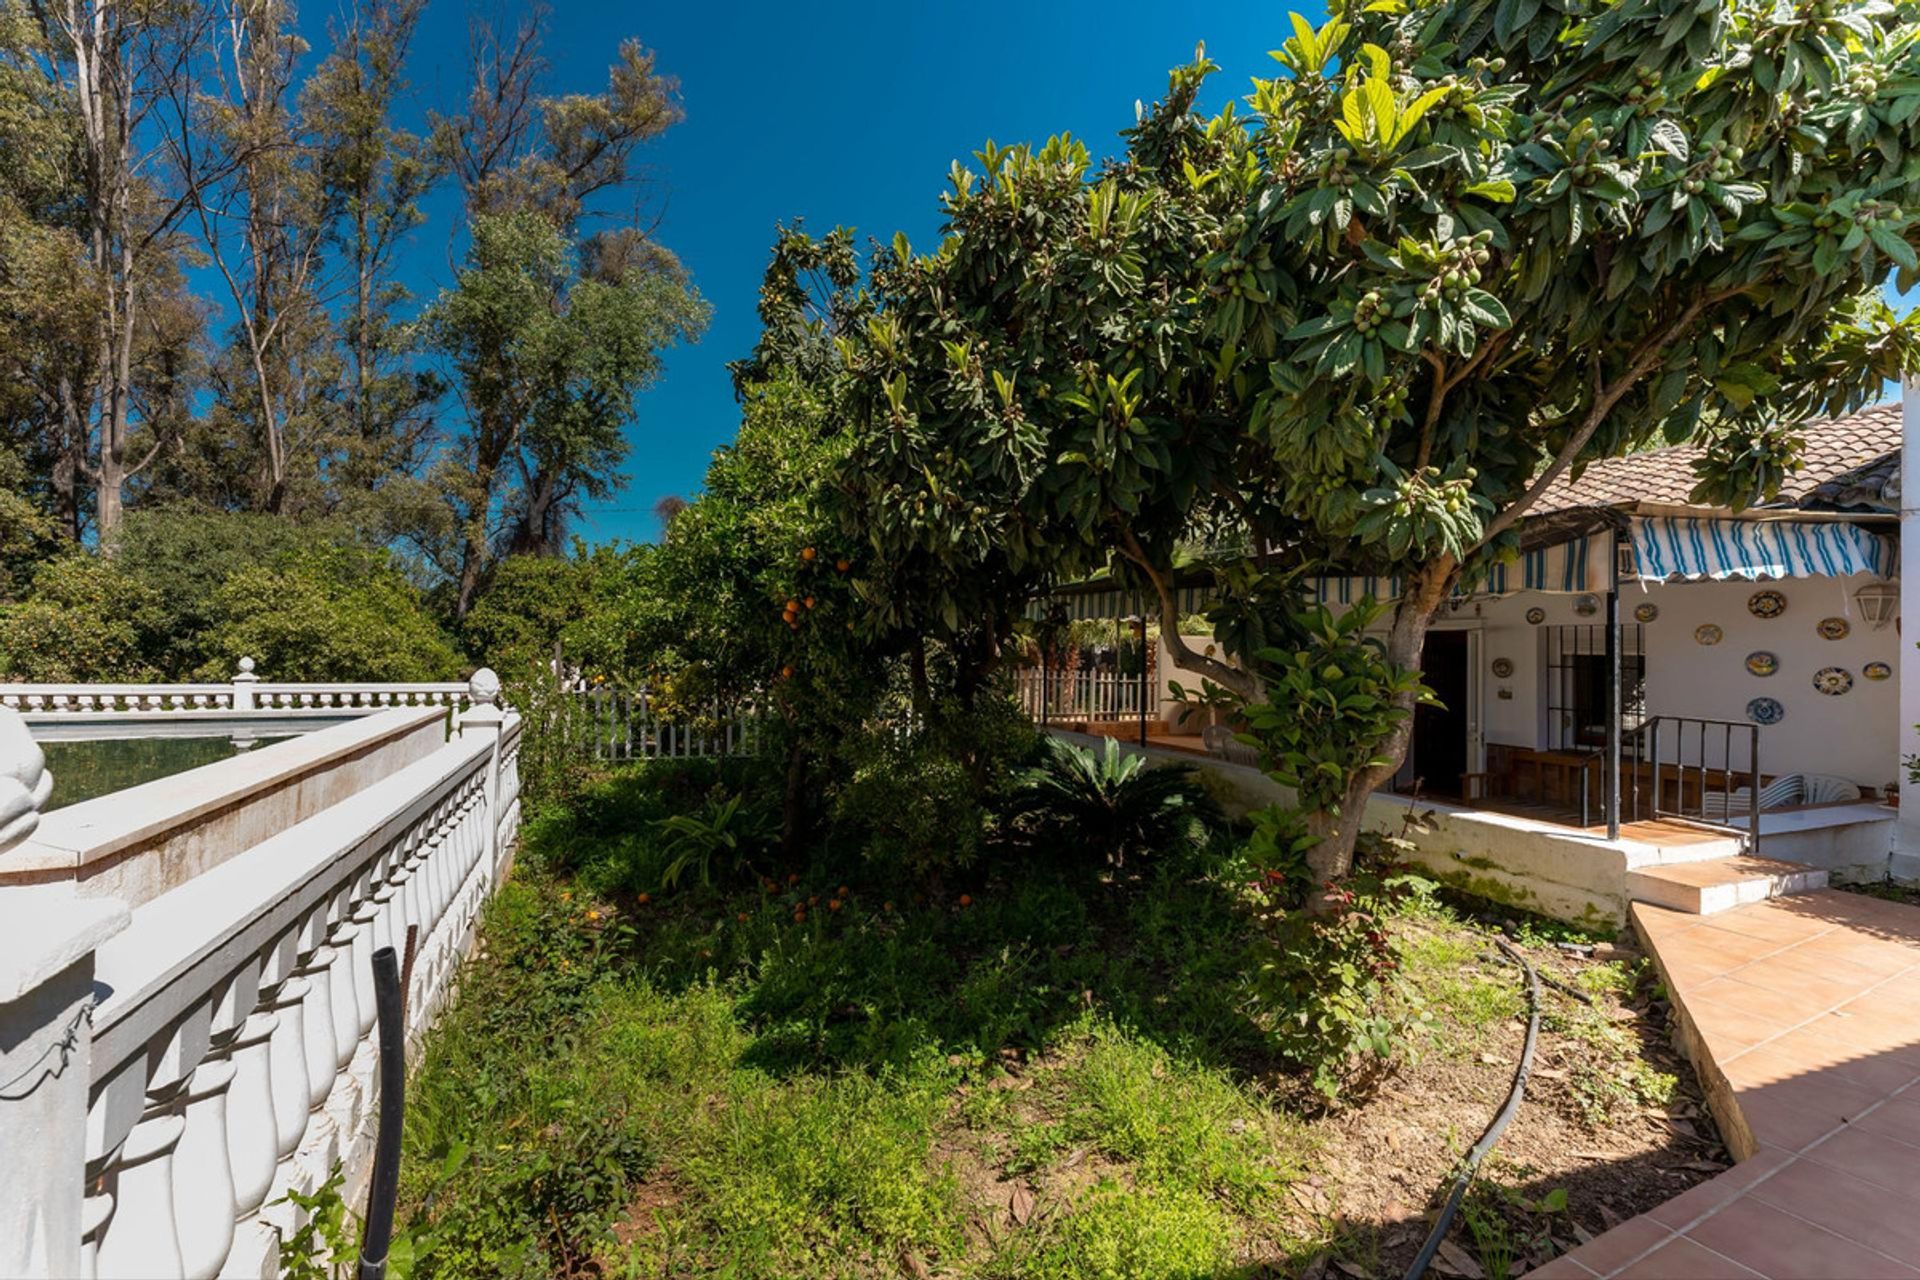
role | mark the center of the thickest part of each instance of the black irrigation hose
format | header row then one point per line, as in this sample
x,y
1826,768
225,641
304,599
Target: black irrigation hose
x,y
1464,1178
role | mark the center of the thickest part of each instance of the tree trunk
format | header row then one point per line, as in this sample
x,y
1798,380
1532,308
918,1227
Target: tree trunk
x,y
917,679
472,556
1339,830
69,462
1234,679
793,803
107,504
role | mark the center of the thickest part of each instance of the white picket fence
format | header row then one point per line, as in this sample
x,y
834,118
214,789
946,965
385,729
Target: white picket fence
x,y
1050,697
625,724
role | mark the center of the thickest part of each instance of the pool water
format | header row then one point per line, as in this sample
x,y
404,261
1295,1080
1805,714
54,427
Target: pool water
x,y
84,770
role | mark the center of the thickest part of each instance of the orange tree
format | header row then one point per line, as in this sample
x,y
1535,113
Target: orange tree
x,y
1455,250
751,595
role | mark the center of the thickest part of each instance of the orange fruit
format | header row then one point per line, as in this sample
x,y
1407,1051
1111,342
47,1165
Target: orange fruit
x,y
786,673
833,904
843,891
799,917
644,899
807,553
794,878
814,901
793,606
887,905
966,900
808,602
843,564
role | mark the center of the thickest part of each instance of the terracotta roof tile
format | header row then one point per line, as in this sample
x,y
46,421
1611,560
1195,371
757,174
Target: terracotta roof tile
x,y
1834,446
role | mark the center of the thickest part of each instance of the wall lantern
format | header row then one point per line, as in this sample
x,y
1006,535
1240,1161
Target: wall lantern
x,y
1878,602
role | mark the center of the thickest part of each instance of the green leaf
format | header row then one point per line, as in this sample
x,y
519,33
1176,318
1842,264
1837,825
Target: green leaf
x,y
1486,310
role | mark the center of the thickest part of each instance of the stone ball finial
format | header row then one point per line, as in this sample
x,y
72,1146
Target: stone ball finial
x,y
483,687
25,783
246,666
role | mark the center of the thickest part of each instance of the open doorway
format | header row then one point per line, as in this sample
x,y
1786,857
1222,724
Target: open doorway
x,y
1442,749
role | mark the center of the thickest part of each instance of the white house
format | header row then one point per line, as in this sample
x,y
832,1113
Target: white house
x,y
1757,652
1753,647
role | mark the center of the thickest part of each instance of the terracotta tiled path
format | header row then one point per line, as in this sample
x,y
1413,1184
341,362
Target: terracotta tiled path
x,y
1803,1017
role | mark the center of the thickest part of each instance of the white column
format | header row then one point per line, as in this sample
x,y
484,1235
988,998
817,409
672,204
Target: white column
x,y
243,682
142,1238
46,992
1906,844
485,717
287,1054
203,1192
203,1184
316,1025
253,1147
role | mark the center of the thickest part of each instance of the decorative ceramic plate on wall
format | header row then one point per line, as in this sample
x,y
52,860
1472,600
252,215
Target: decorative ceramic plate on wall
x,y
1877,671
1833,628
1646,612
1833,681
1587,606
1536,615
1502,667
1706,633
1766,711
1762,663
1766,604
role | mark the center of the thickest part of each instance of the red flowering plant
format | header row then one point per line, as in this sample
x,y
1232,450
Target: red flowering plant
x,y
1321,977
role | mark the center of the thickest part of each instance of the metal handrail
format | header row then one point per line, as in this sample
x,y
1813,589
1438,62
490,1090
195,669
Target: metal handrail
x,y
1648,737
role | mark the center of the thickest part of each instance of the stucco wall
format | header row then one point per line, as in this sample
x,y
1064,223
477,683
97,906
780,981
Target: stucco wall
x,y
1854,735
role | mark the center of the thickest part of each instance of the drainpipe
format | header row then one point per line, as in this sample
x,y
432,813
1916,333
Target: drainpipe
x,y
1905,864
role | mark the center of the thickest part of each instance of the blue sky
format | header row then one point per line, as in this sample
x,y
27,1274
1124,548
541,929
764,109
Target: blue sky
x,y
846,113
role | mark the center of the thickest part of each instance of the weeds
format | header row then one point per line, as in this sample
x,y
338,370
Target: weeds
x,y
1057,1070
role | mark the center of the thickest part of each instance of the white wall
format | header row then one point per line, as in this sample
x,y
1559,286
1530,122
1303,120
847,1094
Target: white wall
x,y
1854,736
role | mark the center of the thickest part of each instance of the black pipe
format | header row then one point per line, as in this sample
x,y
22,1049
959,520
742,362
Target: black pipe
x,y
385,1186
1611,770
1464,1178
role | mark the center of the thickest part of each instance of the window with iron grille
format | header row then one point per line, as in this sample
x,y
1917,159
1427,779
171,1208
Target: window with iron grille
x,y
1576,671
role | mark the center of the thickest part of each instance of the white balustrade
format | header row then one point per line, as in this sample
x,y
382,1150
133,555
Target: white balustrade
x,y
246,693
230,1053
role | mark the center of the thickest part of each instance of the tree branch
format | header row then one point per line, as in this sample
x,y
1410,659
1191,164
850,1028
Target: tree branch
x,y
1606,397
1239,680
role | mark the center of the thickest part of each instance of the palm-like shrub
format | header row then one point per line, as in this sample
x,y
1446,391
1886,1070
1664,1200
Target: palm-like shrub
x,y
728,828
1114,804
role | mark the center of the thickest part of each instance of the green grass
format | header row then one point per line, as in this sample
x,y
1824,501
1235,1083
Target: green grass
x,y
1058,1077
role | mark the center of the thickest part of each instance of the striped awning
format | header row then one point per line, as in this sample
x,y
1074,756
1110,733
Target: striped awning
x,y
1698,547
1575,567
1080,603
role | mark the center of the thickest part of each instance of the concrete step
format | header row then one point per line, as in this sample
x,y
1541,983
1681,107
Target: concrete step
x,y
1662,849
1702,888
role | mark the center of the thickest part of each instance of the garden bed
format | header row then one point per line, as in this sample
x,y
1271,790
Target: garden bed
x,y
1039,1071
